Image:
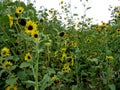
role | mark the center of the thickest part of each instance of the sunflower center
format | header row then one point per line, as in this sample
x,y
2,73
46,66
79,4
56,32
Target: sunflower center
x,y
30,27
29,57
35,35
19,10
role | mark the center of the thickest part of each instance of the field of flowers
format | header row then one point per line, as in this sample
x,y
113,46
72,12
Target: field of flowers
x,y
39,52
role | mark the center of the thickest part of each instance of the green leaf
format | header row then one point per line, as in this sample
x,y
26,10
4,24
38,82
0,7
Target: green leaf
x,y
24,64
74,87
11,81
51,71
46,81
112,86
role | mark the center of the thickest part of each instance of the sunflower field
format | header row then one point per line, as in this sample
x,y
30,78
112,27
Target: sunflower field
x,y
41,50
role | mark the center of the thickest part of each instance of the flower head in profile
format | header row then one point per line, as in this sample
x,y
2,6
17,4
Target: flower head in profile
x,y
5,52
7,64
109,58
10,20
19,10
35,35
30,27
71,60
63,56
55,80
11,87
27,57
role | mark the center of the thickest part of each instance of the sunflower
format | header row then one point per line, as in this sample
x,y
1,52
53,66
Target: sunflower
x,y
10,19
88,40
28,57
71,60
61,34
30,27
19,10
74,43
118,30
11,87
109,58
66,68
35,35
22,21
5,52
7,65
63,56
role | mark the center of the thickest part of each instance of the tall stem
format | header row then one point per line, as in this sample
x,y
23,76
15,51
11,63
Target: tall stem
x,y
36,66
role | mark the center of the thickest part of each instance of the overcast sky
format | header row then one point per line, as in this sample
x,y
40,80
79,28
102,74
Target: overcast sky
x,y
99,11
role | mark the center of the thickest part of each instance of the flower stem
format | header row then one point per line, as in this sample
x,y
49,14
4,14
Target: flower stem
x,y
36,66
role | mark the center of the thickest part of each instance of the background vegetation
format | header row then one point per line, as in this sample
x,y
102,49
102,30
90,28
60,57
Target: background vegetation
x,y
39,52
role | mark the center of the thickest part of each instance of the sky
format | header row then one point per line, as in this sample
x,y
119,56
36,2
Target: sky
x,y
98,11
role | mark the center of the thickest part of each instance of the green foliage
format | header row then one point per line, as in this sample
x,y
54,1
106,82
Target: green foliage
x,y
38,51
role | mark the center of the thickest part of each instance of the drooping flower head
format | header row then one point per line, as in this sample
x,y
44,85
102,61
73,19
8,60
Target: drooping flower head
x,y
11,87
10,20
7,64
5,52
30,27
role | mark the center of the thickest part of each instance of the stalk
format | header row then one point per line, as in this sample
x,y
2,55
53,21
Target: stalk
x,y
36,66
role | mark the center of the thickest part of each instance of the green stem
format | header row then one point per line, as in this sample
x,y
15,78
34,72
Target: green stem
x,y
36,66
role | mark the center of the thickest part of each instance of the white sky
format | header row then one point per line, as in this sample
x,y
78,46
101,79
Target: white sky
x,y
99,11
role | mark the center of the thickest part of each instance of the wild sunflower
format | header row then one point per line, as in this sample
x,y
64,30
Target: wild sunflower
x,y
28,57
109,58
19,10
74,43
5,52
11,87
118,30
66,68
63,56
22,21
71,60
35,35
61,34
88,40
30,27
7,64
10,20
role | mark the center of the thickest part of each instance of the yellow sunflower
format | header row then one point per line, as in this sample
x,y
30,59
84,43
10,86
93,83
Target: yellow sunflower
x,y
63,56
10,20
30,27
71,60
109,58
88,40
66,68
11,87
35,35
5,52
7,65
118,30
19,10
28,57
